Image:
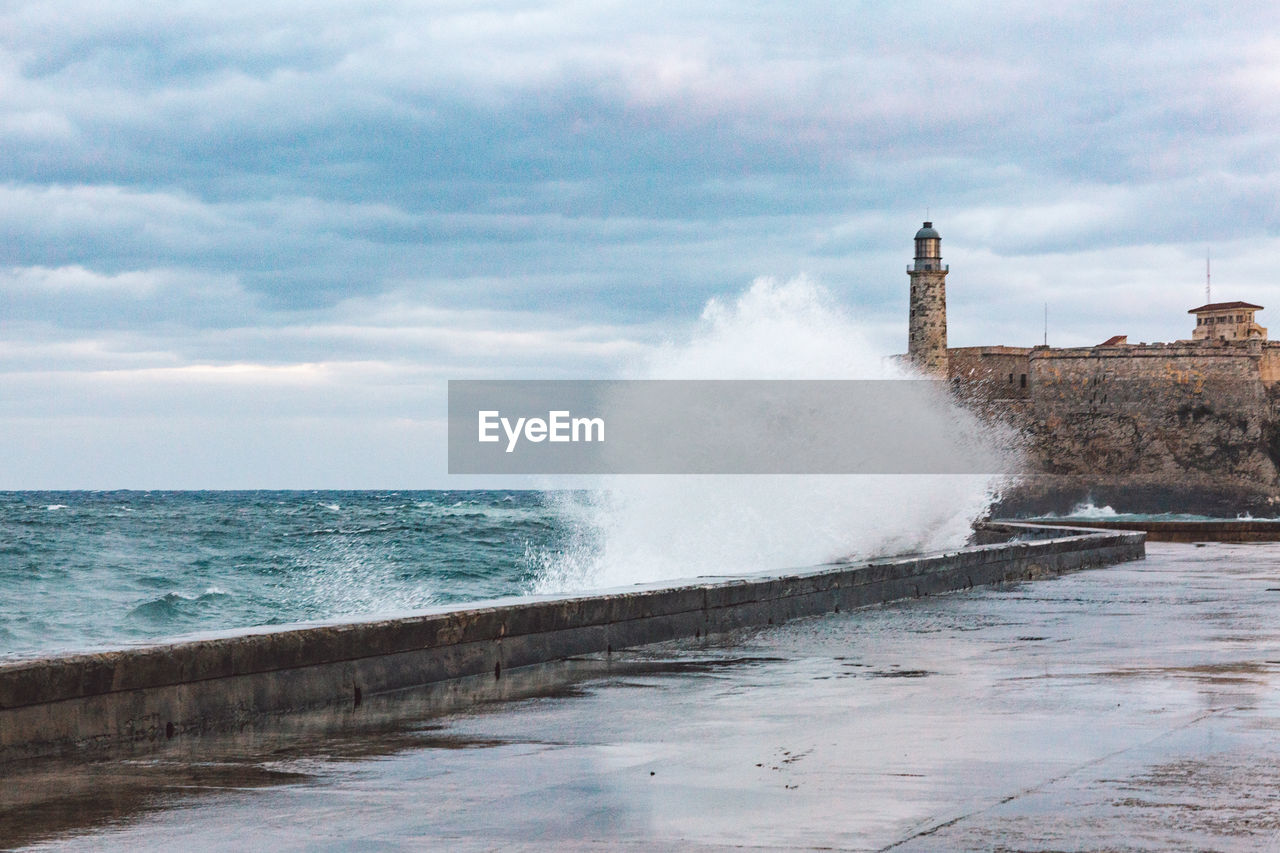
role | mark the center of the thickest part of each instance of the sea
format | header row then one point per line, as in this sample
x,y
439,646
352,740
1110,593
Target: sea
x,y
83,571
94,570
104,569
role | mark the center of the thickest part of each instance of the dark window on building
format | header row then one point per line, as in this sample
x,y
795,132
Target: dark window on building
x,y
1010,378
1024,380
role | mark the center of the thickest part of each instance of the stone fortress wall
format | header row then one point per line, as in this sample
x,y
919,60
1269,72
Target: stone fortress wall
x,y
1162,411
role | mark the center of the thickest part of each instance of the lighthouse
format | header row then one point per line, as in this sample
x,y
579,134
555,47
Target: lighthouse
x,y
927,327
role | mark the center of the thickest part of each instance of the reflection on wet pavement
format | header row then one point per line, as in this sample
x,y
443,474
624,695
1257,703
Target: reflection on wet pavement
x,y
1129,708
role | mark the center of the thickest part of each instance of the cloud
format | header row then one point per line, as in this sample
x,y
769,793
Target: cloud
x,y
77,279
550,187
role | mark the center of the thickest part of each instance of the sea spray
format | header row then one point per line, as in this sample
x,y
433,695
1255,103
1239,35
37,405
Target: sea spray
x,y
637,529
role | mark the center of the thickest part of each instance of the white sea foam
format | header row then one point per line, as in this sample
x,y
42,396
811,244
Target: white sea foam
x,y
645,528
1089,509
52,507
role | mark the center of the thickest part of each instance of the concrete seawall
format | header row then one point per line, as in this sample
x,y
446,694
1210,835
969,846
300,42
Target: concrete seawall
x,y
1229,530
95,705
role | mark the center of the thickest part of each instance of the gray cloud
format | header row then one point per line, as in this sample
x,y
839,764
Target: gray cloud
x,y
527,187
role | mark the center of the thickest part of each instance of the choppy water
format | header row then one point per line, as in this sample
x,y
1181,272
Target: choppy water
x,y
82,570
1089,511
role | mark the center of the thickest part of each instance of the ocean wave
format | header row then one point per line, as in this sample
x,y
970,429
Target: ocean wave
x,y
174,606
137,566
1089,509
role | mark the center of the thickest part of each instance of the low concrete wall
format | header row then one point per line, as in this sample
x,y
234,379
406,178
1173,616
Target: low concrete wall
x,y
1252,530
88,705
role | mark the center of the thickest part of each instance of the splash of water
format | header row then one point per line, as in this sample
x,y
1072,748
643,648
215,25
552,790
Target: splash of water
x,y
647,528
1088,509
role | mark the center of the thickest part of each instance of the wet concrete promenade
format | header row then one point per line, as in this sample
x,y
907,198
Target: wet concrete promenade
x,y
1130,708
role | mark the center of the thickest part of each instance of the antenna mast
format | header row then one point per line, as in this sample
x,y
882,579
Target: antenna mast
x,y
1208,297
1046,324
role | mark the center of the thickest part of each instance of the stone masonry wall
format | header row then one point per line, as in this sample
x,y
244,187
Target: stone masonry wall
x,y
1166,412
1184,426
996,373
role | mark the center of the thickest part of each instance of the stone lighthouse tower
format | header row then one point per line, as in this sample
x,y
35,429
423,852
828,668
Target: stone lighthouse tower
x,y
927,329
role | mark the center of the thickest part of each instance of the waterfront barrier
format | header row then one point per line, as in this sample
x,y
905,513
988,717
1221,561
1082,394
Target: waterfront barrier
x,y
1160,530
282,679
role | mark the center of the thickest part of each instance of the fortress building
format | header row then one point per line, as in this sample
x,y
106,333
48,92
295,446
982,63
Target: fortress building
x,y
1227,321
1195,420
1226,341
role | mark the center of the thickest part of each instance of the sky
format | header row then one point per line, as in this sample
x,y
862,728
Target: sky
x,y
245,245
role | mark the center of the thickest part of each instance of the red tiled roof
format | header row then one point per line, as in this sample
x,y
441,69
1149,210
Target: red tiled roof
x,y
1223,306
1115,341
